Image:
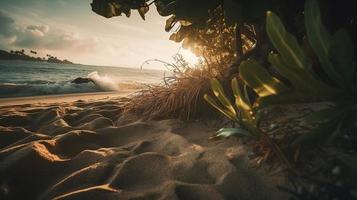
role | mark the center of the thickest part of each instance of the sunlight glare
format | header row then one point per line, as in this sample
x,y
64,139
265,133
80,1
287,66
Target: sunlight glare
x,y
189,56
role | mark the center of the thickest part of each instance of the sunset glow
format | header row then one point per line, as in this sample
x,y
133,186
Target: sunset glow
x,y
190,57
68,29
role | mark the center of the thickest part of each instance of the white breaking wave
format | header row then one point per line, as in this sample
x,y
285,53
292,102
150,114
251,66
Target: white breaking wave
x,y
104,82
16,90
19,79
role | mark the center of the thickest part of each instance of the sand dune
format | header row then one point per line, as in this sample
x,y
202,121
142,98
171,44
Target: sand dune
x,y
88,150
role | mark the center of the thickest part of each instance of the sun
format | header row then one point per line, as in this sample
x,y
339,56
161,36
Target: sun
x,y
189,56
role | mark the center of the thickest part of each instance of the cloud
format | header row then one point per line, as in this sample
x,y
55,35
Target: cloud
x,y
42,37
45,37
42,28
7,25
75,33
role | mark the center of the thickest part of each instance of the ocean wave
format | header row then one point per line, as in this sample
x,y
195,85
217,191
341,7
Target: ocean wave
x,y
104,82
21,90
40,87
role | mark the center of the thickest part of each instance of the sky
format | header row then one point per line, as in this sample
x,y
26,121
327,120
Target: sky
x,y
69,29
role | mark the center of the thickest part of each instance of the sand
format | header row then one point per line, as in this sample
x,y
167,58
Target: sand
x,y
87,149
64,97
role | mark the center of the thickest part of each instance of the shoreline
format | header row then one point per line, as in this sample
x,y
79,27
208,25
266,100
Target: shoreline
x,y
62,98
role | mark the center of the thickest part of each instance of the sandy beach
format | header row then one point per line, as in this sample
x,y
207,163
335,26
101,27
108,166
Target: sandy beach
x,y
46,99
178,100
83,147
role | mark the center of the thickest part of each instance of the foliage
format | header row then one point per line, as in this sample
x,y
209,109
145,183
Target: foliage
x,y
295,64
207,28
335,58
214,42
321,69
240,22
240,113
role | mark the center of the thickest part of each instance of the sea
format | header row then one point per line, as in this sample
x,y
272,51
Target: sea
x,y
23,78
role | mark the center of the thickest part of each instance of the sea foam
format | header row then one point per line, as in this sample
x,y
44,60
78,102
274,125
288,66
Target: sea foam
x,y
104,82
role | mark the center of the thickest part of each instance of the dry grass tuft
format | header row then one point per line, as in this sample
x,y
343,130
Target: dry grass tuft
x,y
181,95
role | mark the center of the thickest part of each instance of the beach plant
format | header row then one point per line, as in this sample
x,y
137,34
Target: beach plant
x,y
195,23
293,62
336,83
240,112
178,96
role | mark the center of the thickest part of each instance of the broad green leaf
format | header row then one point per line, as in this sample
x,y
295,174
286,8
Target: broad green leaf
x,y
302,80
185,23
260,80
228,132
286,44
246,95
286,98
221,109
293,97
324,115
243,104
221,96
241,101
294,75
341,55
319,39
170,22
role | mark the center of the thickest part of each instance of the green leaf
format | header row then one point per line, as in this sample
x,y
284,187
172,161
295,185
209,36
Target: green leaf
x,y
246,95
302,80
286,44
143,10
170,22
221,96
243,104
166,8
260,80
294,75
221,109
341,55
323,116
286,98
229,132
319,39
241,101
